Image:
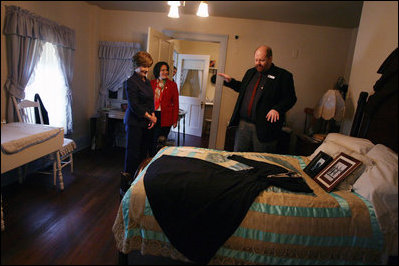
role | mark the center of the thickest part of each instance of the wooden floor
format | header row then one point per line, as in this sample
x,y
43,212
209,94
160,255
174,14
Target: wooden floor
x,y
47,226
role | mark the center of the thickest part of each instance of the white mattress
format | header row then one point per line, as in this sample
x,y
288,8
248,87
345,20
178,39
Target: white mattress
x,y
22,143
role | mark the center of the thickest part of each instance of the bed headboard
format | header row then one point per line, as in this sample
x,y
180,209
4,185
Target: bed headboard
x,y
376,116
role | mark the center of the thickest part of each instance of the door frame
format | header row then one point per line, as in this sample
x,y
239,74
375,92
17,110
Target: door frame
x,y
156,37
186,99
222,40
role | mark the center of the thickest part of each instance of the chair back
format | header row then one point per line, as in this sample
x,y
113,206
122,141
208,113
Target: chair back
x,y
26,111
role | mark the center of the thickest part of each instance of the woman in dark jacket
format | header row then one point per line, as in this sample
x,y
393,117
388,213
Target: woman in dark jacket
x,y
139,118
166,103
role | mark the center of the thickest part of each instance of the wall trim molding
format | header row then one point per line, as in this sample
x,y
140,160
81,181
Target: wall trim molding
x,y
222,40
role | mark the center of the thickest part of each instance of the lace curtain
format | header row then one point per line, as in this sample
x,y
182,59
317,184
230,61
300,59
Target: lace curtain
x,y
26,33
115,66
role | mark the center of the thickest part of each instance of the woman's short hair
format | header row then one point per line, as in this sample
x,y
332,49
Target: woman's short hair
x,y
157,68
142,59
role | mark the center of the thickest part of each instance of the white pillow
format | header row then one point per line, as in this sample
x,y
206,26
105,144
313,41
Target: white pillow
x,y
358,145
333,149
379,185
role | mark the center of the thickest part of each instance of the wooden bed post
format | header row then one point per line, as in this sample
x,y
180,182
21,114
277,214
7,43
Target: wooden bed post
x,y
357,120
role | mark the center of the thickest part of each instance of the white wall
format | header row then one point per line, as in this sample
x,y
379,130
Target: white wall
x,y
323,53
377,37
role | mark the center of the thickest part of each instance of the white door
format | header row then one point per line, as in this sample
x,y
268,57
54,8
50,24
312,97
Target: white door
x,y
160,49
191,79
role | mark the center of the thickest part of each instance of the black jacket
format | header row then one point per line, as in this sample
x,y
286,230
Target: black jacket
x,y
140,100
42,110
278,94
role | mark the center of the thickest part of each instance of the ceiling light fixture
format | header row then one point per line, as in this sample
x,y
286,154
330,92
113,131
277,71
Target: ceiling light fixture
x,y
174,9
174,12
203,9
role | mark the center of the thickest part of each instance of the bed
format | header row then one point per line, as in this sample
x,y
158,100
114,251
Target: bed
x,y
22,143
356,223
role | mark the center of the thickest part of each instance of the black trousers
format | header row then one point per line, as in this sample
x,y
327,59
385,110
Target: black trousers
x,y
138,144
157,132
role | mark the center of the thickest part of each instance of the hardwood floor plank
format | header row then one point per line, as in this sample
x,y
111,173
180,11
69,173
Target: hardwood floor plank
x,y
47,226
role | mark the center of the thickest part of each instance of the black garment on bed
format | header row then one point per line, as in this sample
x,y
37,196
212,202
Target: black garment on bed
x,y
199,204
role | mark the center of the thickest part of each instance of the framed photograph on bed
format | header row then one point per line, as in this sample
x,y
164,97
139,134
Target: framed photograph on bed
x,y
318,163
336,171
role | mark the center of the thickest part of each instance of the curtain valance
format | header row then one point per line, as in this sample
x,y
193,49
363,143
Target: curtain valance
x,y
117,50
115,66
24,23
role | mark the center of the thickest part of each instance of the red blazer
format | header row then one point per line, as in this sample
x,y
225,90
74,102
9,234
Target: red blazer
x,y
169,102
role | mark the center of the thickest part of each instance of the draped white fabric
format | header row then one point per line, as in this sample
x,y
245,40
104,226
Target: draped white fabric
x,y
22,57
115,66
183,78
26,33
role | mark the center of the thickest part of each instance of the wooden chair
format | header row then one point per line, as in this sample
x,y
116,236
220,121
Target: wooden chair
x,y
26,111
64,156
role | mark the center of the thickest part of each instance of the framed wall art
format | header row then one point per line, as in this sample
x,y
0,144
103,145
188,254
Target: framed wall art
x,y
318,163
336,171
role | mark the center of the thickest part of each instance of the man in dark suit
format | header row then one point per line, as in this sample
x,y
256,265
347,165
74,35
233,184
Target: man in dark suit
x,y
266,93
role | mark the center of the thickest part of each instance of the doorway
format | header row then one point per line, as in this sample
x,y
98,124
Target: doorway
x,y
161,46
212,108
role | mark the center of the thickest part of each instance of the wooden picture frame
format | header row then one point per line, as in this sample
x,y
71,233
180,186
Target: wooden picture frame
x,y
318,163
336,171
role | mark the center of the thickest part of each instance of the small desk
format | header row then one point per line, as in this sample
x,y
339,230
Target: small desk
x,y
182,115
116,114
119,115
106,124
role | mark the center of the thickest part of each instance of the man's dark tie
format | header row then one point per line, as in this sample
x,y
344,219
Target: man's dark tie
x,y
253,96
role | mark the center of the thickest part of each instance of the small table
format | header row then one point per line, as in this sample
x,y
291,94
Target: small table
x,y
306,145
182,115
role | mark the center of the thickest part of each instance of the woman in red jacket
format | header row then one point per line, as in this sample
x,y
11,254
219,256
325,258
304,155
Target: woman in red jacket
x,y
166,103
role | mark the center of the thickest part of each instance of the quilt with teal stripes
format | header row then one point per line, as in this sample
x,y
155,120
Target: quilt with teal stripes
x,y
281,227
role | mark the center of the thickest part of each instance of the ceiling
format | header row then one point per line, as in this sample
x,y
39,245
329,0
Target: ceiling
x,y
343,14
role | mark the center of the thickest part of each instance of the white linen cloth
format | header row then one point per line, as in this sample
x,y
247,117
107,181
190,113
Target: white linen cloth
x,y
19,136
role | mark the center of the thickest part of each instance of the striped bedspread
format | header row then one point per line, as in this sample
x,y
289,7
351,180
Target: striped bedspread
x,y
281,227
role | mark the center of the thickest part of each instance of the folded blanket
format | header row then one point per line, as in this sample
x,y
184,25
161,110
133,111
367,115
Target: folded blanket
x,y
16,137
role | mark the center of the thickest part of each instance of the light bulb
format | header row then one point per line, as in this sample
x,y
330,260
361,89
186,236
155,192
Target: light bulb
x,y
203,9
174,11
174,3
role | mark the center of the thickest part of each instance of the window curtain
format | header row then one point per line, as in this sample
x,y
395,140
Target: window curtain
x,y
115,66
183,77
66,62
26,33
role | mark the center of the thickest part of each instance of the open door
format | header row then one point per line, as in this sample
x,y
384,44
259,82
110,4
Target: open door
x,y
191,78
160,49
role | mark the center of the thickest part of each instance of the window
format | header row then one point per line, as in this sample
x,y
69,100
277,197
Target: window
x,y
48,81
116,98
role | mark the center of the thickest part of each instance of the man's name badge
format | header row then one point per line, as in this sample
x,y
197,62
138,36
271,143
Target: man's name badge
x,y
271,77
